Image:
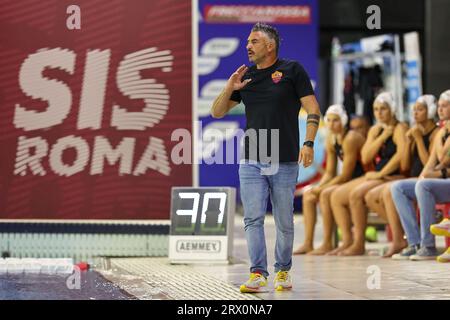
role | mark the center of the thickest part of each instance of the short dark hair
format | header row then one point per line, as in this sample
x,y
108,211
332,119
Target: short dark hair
x,y
270,31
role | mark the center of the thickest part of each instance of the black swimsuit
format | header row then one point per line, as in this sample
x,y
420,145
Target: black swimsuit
x,y
359,169
416,163
386,152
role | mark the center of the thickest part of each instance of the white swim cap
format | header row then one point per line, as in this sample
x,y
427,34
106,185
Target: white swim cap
x,y
388,98
339,110
445,96
430,101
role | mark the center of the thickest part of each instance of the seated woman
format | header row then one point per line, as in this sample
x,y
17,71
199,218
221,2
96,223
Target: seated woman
x,y
416,153
431,187
341,144
443,227
444,155
383,148
359,124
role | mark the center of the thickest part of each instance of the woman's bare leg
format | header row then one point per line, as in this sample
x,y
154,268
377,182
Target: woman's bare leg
x,y
341,213
373,200
359,217
398,242
309,218
328,221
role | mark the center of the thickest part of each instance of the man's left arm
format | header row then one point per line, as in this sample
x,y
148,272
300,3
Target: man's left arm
x,y
312,125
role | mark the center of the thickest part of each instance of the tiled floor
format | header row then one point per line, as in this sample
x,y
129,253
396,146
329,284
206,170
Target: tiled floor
x,y
322,277
328,277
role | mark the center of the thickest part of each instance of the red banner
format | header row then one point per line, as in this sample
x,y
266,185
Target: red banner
x,y
89,97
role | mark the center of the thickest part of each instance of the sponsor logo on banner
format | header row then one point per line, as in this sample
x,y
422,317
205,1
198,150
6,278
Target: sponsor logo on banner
x,y
211,53
295,14
32,152
88,112
198,246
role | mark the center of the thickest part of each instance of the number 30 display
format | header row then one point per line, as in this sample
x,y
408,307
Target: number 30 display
x,y
201,223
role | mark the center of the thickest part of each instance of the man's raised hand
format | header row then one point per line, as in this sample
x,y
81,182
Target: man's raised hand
x,y
235,81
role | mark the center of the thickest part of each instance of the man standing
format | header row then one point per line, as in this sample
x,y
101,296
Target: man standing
x,y
273,90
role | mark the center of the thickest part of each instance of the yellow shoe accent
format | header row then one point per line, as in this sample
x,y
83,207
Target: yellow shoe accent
x,y
281,288
445,257
434,229
261,285
245,289
283,277
439,232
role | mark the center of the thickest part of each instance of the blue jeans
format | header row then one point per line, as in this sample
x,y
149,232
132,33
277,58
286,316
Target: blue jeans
x,y
427,192
255,190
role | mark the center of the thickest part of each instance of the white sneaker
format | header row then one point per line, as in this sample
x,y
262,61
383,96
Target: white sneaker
x,y
256,283
406,253
283,281
425,253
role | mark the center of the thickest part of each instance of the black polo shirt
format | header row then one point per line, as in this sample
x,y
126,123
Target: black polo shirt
x,y
272,101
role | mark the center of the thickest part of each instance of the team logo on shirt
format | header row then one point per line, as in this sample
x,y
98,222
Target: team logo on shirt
x,y
276,76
